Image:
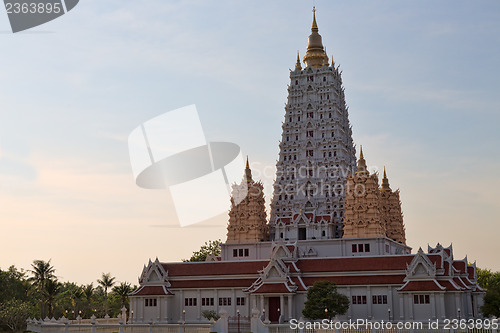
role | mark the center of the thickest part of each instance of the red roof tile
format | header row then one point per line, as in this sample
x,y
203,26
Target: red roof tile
x,y
272,288
460,265
324,217
470,271
243,283
356,280
448,285
354,264
150,291
429,285
214,268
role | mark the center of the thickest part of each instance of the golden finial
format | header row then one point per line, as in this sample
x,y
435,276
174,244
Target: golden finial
x,y
298,65
333,63
314,25
385,183
362,169
248,172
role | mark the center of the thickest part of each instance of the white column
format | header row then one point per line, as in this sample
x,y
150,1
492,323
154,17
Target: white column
x,y
369,301
389,302
290,307
158,310
282,309
411,311
233,296
198,304
433,306
216,300
348,292
443,311
181,304
401,307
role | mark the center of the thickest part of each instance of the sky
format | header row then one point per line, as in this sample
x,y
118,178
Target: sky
x,y
422,82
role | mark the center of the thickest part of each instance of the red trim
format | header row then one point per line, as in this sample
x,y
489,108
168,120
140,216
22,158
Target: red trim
x,y
242,283
357,280
429,285
151,291
214,268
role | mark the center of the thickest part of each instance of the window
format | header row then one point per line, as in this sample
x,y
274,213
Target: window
x,y
421,299
367,247
310,134
150,302
310,115
354,246
207,301
189,301
246,252
360,247
224,301
241,252
358,299
240,301
379,299
310,153
235,251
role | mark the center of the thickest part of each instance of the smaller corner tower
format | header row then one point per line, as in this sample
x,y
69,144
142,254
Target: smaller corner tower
x,y
247,219
390,209
362,205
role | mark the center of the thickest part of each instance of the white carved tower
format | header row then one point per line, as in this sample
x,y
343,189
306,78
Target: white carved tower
x,y
316,151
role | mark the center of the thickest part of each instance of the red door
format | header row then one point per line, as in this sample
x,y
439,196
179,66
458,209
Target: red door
x,y
274,309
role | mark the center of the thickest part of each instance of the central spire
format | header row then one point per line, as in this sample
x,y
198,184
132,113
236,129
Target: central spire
x,y
315,55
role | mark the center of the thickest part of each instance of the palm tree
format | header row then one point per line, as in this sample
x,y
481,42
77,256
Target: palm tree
x,y
88,293
50,292
123,290
42,272
106,281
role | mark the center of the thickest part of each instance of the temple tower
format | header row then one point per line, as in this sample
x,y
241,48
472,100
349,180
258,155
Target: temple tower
x,y
390,210
363,217
316,150
247,220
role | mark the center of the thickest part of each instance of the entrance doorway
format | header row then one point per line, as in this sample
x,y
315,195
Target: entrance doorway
x,y
274,309
302,233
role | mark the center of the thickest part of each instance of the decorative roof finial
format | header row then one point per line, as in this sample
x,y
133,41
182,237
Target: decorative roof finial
x,y
314,27
385,183
362,170
248,172
298,65
315,55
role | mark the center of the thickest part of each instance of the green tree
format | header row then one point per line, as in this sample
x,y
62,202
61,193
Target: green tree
x,y
324,301
491,282
210,247
50,293
106,281
122,292
13,284
42,272
13,314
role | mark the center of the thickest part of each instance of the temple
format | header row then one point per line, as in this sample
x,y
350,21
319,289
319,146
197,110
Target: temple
x,y
331,219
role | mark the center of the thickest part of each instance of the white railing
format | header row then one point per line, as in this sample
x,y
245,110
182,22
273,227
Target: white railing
x,y
65,326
